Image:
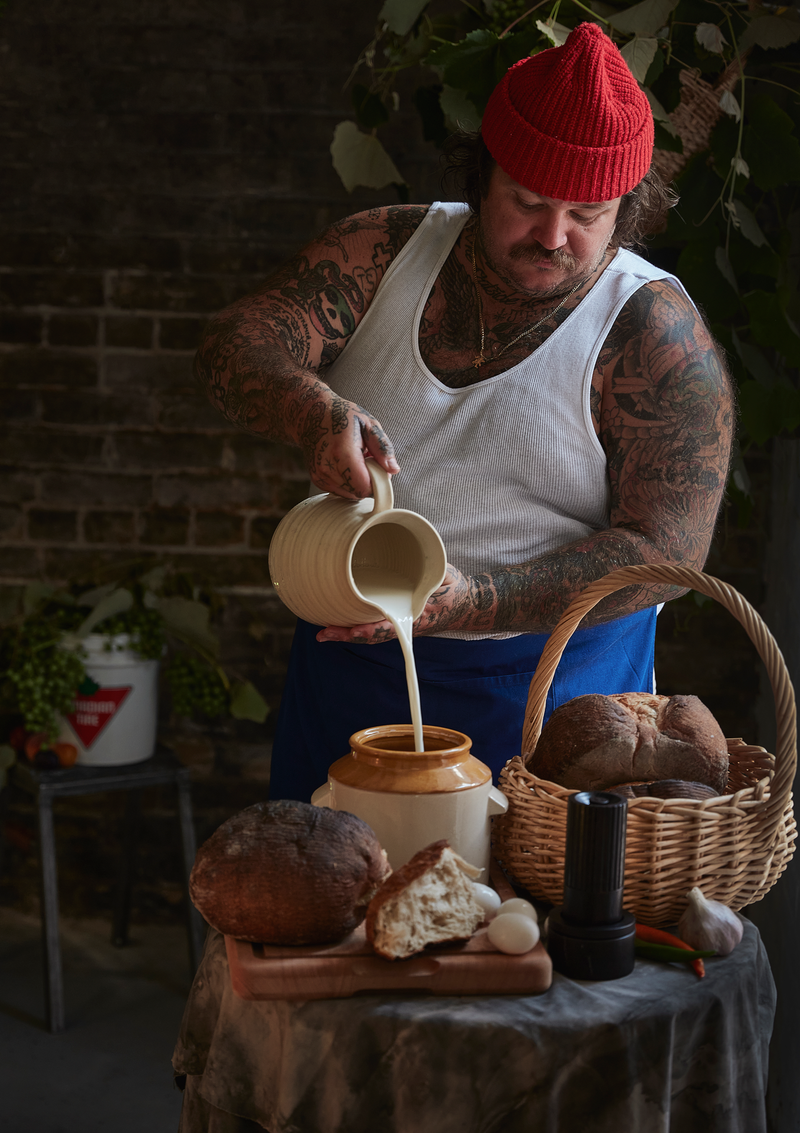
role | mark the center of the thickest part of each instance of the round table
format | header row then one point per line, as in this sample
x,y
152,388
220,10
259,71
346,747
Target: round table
x,y
659,1051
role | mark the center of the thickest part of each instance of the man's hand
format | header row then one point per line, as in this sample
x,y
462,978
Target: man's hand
x,y
444,610
335,436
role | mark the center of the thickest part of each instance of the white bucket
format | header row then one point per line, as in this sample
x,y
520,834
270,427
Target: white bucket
x,y
117,723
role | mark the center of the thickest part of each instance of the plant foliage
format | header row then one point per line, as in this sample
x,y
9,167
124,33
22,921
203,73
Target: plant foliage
x,y
735,235
154,614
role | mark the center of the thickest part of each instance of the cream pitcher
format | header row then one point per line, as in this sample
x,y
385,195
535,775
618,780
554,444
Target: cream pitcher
x,y
329,556
351,562
412,798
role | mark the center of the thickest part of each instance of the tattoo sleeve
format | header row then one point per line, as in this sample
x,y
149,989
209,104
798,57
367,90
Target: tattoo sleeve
x,y
261,359
666,424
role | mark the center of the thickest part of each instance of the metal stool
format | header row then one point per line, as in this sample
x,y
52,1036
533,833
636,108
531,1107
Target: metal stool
x,y
46,786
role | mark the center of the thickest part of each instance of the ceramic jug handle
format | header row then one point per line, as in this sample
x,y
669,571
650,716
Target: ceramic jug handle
x,y
498,802
381,487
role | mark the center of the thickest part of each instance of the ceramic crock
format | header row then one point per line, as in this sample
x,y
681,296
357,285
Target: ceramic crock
x,y
325,543
412,798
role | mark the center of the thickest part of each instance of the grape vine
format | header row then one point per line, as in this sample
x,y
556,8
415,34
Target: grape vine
x,y
196,687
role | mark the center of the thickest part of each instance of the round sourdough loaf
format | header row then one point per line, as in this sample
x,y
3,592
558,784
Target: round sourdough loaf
x,y
594,742
287,872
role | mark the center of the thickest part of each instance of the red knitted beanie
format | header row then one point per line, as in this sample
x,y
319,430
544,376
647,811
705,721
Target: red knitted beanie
x,y
571,122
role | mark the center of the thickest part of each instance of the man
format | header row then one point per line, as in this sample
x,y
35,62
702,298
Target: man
x,y
555,403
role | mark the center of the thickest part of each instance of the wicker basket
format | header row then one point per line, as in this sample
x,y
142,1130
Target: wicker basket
x,y
733,847
696,115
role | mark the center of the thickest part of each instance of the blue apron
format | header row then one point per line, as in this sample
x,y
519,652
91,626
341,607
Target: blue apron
x,y
334,689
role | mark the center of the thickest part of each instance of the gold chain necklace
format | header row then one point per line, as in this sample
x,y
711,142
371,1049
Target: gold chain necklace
x,y
480,358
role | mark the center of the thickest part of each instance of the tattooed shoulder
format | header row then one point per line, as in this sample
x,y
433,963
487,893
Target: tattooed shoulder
x,y
402,221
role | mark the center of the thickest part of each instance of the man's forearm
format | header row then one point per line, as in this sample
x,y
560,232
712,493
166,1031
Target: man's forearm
x,y
258,383
253,380
531,597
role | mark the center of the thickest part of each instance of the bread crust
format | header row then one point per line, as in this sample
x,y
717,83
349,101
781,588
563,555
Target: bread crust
x,y
286,872
593,742
391,940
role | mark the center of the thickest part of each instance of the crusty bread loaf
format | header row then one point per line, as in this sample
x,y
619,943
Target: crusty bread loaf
x,y
287,872
594,742
429,900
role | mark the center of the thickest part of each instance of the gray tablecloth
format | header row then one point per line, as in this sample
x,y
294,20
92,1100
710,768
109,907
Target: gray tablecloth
x,y
658,1051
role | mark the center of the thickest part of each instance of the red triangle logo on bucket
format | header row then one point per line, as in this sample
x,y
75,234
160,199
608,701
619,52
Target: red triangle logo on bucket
x,y
92,713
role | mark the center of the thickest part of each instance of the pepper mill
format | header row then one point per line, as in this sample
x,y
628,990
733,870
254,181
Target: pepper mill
x,y
591,937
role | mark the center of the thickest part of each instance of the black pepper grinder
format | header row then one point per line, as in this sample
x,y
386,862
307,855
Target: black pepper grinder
x,y
591,937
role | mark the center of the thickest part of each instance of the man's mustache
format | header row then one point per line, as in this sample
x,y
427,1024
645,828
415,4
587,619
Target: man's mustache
x,y
536,253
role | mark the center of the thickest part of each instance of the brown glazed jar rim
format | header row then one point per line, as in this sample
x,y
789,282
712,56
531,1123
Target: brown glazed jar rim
x,y
383,758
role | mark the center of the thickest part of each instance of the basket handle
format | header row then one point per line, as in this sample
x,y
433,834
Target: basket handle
x,y
727,596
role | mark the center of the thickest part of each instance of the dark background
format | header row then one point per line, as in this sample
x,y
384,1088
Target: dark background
x,y
159,158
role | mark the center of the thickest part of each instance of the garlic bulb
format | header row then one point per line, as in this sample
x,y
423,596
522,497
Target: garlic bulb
x,y
709,924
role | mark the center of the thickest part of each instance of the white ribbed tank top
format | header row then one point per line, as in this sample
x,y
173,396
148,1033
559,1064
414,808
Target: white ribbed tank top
x,y
508,468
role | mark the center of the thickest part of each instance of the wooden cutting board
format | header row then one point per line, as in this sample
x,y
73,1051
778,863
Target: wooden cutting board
x,y
334,971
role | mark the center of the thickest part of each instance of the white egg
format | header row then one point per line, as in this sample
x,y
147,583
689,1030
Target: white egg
x,y
487,898
513,933
518,905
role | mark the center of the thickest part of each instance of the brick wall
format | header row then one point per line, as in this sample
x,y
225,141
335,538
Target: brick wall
x,y
159,158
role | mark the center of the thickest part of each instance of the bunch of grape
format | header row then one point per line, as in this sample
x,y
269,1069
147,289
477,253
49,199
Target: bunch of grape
x,y
196,687
44,676
146,629
504,12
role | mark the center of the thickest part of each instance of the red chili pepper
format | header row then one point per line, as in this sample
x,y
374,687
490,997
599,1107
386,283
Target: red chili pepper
x,y
658,936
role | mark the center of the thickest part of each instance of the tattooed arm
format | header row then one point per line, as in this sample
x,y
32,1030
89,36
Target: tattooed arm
x,y
261,359
663,409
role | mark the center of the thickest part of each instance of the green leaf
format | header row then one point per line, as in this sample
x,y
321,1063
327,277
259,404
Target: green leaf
x,y
756,364
730,105
639,53
745,222
770,327
666,140
645,18
88,687
360,159
91,597
724,264
770,31
555,32
711,38
655,69
247,703
476,63
401,15
458,111
771,148
369,107
767,412
188,621
34,595
117,602
699,270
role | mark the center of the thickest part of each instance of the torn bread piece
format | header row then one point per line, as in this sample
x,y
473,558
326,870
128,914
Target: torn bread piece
x,y
429,900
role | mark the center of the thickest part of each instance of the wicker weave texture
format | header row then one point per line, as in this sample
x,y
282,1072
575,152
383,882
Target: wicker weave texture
x,y
695,116
733,847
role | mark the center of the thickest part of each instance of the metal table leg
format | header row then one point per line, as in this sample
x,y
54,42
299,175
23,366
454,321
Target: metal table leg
x,y
195,923
122,900
53,977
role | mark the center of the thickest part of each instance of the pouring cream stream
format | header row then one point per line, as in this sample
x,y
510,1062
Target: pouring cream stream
x,y
392,592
